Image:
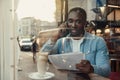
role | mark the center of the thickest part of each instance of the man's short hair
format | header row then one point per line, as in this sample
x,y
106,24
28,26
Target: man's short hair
x,y
80,11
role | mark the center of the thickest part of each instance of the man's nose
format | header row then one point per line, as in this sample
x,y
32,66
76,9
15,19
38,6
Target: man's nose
x,y
73,25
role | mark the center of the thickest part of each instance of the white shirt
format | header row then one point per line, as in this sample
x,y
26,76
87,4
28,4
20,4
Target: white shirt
x,y
76,44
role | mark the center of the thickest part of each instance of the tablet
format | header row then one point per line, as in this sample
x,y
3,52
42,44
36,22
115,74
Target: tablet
x,y
66,61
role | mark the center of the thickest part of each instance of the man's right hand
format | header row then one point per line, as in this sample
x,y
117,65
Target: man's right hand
x,y
54,34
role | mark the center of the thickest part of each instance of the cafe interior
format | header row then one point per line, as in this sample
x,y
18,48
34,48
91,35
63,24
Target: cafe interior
x,y
106,25
103,18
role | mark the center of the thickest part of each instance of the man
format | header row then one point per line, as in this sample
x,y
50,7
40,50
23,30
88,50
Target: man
x,y
78,40
34,50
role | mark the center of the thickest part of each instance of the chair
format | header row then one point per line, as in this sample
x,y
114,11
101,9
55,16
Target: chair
x,y
115,64
114,76
113,45
115,56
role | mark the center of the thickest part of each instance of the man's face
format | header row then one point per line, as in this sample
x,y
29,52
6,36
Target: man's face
x,y
76,24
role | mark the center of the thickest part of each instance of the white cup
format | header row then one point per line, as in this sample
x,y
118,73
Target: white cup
x,y
42,63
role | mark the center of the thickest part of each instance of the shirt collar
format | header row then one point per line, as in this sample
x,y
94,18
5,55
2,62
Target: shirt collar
x,y
82,39
85,35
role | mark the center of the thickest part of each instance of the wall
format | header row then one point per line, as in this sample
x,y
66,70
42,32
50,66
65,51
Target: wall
x,y
117,13
111,15
8,45
85,4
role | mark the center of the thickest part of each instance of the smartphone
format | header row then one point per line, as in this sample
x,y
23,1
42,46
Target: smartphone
x,y
64,31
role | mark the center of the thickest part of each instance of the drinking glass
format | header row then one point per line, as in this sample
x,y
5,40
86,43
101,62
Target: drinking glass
x,y
42,63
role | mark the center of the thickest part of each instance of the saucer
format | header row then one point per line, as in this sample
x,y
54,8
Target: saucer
x,y
36,75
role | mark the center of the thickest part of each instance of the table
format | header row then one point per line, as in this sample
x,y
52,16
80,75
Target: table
x,y
65,75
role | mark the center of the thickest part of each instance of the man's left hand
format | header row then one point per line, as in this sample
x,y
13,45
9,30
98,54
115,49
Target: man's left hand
x,y
85,66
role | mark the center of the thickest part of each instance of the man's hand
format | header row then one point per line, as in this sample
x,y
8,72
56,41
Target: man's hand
x,y
54,34
60,32
85,66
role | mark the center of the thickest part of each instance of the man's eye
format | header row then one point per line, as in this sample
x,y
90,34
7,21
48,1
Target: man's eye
x,y
79,21
70,21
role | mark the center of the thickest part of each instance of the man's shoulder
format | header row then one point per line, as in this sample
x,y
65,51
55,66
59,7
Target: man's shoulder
x,y
91,36
61,39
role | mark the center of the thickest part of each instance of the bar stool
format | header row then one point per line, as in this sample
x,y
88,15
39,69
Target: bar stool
x,y
115,61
